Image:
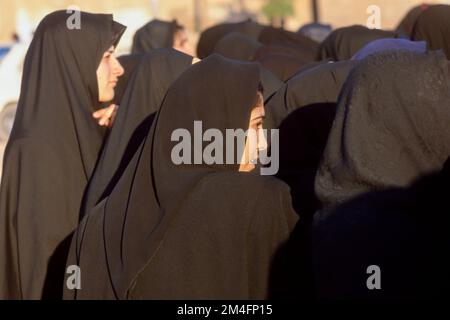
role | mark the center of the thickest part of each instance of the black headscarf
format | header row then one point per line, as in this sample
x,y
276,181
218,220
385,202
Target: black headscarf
x,y
284,53
406,26
343,43
238,46
302,90
52,151
210,37
156,34
433,26
390,127
146,90
271,36
304,113
281,61
188,231
316,31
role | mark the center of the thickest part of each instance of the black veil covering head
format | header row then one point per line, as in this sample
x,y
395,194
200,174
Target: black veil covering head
x,y
316,31
304,113
301,91
165,227
406,25
433,26
210,37
390,127
146,89
52,150
283,65
271,36
285,61
63,62
156,34
238,46
343,43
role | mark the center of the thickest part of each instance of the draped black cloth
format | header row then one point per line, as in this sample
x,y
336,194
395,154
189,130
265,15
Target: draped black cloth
x,y
433,26
343,43
238,46
51,153
284,66
403,231
187,231
149,84
271,36
304,113
156,34
210,37
406,25
284,61
390,127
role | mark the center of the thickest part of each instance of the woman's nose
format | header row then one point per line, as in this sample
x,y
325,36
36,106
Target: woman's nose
x,y
118,69
262,140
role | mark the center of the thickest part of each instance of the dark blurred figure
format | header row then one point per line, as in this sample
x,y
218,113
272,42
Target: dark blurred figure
x,y
316,31
284,52
343,43
15,37
271,36
210,37
403,231
159,34
406,26
433,26
238,46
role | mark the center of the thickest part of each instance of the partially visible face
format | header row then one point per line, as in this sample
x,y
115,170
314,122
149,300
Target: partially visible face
x,y
108,73
251,155
181,41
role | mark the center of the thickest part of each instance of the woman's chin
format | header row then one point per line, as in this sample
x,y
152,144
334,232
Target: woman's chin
x,y
107,97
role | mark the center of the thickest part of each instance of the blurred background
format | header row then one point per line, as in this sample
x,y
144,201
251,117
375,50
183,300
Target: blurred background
x,y
22,16
19,18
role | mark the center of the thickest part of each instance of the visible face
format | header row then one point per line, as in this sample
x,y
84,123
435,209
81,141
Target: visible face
x,y
181,41
251,155
108,73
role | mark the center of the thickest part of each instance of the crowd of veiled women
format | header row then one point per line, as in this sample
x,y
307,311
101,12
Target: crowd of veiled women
x,y
363,118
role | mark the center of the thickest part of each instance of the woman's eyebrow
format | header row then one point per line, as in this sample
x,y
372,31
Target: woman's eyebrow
x,y
258,117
